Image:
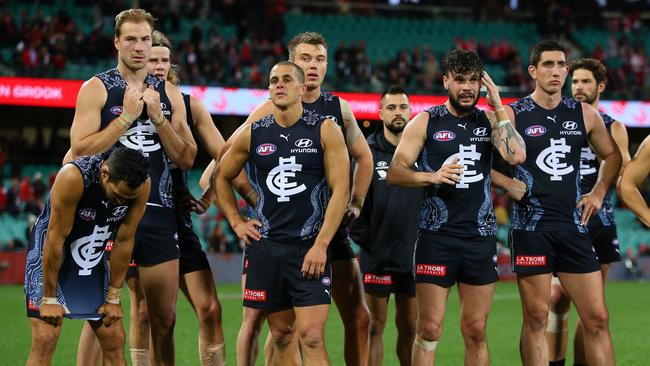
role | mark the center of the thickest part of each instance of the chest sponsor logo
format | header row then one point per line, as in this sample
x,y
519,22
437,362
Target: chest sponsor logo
x,y
382,169
87,214
530,260
549,159
373,279
467,157
141,136
118,213
88,251
571,129
278,180
535,130
266,149
304,146
443,136
587,161
480,131
255,295
436,270
117,110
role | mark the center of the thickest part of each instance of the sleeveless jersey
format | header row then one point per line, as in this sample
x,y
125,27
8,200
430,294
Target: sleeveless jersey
x,y
589,167
179,176
328,105
554,139
142,135
466,207
83,276
286,168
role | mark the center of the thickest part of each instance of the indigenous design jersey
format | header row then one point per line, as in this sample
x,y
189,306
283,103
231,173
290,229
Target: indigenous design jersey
x,y
328,105
142,135
179,176
466,207
286,168
551,172
589,167
83,277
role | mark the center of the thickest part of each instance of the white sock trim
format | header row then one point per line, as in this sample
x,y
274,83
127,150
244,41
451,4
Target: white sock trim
x,y
140,356
426,345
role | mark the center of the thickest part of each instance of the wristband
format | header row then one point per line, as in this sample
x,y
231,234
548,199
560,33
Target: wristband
x,y
358,202
50,301
499,109
501,123
159,121
127,117
124,122
113,296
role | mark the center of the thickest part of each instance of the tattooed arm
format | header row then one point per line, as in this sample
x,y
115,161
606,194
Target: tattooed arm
x,y
504,136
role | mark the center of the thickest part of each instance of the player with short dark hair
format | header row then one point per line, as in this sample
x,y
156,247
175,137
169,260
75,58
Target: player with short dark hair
x,y
453,145
387,230
95,202
298,164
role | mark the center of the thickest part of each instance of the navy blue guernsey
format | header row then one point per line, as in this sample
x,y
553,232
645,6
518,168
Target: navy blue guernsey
x,y
142,135
589,167
179,176
328,105
466,207
83,276
554,139
286,167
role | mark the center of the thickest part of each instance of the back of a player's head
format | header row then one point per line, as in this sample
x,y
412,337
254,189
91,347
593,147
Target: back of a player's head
x,y
590,64
159,39
312,38
132,16
394,89
544,46
462,62
128,165
297,70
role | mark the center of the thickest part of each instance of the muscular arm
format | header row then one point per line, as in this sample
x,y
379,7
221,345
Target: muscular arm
x,y
513,187
125,238
209,135
85,135
64,197
633,176
337,166
176,137
505,139
410,145
619,134
359,150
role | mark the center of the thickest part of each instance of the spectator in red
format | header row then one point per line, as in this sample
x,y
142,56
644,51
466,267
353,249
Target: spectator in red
x,y
26,193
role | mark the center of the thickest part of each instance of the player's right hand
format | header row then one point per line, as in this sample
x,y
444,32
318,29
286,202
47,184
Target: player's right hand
x,y
448,174
112,313
132,103
52,314
516,190
247,231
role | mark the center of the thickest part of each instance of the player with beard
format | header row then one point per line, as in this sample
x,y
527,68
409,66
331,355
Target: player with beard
x,y
549,225
309,51
633,177
126,106
298,164
453,144
386,231
588,81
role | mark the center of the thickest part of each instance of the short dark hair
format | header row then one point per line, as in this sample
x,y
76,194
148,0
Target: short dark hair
x,y
393,90
297,69
128,165
590,64
543,46
312,38
462,62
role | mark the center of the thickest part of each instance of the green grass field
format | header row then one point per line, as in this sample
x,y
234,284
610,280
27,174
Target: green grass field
x,y
629,304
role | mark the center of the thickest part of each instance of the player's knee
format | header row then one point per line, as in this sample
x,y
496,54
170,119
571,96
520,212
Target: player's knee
x,y
281,337
163,322
44,344
536,317
362,317
473,331
140,315
311,338
597,322
376,326
430,330
210,312
113,345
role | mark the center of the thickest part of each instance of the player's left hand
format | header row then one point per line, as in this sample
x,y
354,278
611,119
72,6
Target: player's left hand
x,y
352,213
492,97
590,204
152,99
112,313
313,265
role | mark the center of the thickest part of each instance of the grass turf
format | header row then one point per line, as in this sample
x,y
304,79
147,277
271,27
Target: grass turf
x,y
627,301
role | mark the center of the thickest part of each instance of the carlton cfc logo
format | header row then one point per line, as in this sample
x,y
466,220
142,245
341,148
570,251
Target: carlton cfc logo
x,y
266,149
535,130
444,136
117,110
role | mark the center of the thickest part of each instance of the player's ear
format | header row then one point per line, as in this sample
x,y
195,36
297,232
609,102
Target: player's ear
x,y
601,87
532,71
445,81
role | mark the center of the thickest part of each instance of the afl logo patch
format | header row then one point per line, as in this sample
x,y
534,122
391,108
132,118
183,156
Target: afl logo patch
x,y
570,125
535,130
117,110
266,149
444,136
326,281
87,214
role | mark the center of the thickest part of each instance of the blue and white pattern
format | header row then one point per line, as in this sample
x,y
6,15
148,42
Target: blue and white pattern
x,y
527,212
112,79
318,198
166,185
87,164
311,118
266,121
487,224
570,102
525,104
577,212
259,205
438,110
434,213
327,95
